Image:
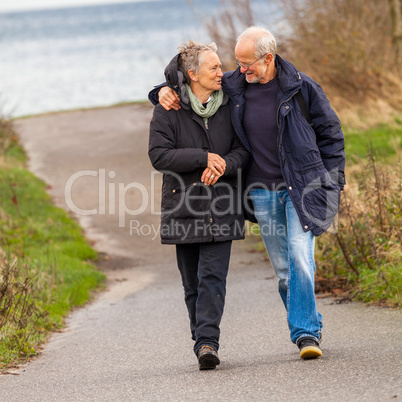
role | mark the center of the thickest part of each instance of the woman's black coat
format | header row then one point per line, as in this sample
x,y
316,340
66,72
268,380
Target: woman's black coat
x,y
179,143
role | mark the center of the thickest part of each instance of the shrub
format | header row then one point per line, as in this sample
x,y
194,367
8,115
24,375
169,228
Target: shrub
x,y
20,312
224,28
345,45
365,254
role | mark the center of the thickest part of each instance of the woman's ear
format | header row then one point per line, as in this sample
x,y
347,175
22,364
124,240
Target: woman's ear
x,y
193,76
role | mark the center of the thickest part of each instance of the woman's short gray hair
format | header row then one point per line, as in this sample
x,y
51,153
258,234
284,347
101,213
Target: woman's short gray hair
x,y
264,40
191,54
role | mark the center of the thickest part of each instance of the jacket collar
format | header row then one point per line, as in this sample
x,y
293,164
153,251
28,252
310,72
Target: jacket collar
x,y
234,82
289,77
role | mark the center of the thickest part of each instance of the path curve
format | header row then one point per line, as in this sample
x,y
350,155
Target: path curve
x,y
133,342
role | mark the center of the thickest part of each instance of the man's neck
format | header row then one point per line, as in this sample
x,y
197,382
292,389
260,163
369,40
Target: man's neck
x,y
270,75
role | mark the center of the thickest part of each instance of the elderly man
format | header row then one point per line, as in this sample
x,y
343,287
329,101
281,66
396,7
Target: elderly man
x,y
297,172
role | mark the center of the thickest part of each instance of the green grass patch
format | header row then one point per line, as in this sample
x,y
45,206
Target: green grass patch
x,y
381,287
46,262
386,141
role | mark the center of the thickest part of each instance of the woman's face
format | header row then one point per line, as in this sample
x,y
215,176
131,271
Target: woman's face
x,y
210,75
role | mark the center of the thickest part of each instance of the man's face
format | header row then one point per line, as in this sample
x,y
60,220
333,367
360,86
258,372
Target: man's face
x,y
245,55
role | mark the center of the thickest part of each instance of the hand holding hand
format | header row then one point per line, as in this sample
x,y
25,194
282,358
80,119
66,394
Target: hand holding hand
x,y
209,178
169,99
216,164
216,168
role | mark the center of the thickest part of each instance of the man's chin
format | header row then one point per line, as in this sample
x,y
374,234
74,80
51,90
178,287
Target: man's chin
x,y
252,79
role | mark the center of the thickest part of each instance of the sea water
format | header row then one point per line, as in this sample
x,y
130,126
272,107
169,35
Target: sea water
x,y
76,57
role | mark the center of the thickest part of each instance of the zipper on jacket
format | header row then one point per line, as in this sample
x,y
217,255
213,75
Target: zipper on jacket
x,y
277,121
278,143
277,118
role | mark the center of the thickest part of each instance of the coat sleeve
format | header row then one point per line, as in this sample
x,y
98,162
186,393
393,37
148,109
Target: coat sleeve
x,y
329,134
153,95
236,158
162,149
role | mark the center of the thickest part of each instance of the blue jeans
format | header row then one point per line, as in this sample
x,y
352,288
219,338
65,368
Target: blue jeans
x,y
291,251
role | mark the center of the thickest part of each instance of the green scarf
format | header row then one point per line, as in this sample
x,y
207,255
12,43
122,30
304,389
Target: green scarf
x,y
212,106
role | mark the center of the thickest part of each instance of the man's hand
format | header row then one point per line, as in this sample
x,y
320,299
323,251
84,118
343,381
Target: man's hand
x,y
169,99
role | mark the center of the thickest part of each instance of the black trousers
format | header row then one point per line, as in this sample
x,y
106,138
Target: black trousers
x,y
204,268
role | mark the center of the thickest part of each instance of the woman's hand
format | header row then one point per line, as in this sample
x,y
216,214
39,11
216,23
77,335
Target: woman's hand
x,y
169,99
209,178
216,168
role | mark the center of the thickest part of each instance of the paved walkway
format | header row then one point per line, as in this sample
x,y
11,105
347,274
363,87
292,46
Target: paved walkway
x,y
133,342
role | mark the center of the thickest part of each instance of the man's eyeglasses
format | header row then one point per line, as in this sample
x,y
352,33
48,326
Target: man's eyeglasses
x,y
247,66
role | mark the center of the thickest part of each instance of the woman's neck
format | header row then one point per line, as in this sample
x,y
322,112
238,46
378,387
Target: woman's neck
x,y
201,93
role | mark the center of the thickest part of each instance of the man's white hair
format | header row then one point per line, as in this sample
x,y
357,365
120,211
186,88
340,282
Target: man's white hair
x,y
264,40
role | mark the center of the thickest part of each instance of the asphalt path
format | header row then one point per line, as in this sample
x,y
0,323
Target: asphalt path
x,y
133,341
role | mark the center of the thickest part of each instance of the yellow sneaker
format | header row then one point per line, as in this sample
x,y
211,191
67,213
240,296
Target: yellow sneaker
x,y
309,348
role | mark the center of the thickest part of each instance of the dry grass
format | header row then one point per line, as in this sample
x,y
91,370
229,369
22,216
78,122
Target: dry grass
x,y
19,312
362,116
236,15
7,135
365,254
345,45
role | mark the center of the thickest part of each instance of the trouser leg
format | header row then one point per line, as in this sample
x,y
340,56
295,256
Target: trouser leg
x,y
291,252
271,217
204,268
212,272
303,317
187,262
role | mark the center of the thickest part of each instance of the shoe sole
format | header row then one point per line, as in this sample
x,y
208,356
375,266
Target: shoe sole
x,y
208,362
310,352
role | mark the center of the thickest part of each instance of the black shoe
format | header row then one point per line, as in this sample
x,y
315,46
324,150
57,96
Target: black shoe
x,y
309,348
208,358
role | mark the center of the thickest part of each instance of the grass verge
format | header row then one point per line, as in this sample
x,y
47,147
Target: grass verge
x,y
46,262
385,140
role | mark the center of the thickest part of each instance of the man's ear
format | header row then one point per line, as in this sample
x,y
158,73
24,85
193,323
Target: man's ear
x,y
269,58
193,76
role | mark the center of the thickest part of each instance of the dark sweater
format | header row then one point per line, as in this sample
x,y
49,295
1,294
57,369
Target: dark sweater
x,y
260,124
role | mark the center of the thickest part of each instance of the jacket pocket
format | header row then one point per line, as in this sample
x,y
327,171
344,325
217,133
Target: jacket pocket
x,y
320,196
307,167
226,199
192,201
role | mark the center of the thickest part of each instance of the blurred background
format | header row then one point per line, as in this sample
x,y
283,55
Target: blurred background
x,y
83,53
62,55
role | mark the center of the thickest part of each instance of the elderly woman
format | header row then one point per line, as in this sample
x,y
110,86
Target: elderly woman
x,y
200,156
